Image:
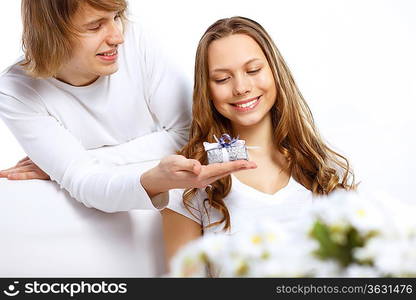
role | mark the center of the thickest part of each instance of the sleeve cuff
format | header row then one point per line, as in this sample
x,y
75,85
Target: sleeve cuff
x,y
160,201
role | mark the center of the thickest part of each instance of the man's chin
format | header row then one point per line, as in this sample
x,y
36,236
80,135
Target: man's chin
x,y
108,70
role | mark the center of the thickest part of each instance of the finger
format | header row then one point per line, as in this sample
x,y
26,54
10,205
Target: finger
x,y
221,168
21,169
9,169
188,178
251,165
197,167
215,178
191,165
27,176
17,176
23,159
23,162
210,180
219,176
26,163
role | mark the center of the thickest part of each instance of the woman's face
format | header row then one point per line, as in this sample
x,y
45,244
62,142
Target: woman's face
x,y
241,82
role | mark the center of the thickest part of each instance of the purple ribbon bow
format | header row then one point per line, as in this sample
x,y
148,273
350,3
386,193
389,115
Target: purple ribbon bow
x,y
226,141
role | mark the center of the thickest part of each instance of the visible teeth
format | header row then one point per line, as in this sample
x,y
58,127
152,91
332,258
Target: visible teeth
x,y
248,104
109,54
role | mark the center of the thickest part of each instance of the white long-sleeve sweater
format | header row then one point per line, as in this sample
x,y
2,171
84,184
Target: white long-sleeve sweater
x,y
79,135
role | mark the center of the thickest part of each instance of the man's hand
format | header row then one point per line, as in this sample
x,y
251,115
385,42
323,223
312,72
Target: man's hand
x,y
176,172
24,170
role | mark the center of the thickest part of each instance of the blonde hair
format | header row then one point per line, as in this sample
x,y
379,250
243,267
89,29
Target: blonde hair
x,y
49,34
311,162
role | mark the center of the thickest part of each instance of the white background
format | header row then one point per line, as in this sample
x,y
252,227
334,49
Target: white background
x,y
354,62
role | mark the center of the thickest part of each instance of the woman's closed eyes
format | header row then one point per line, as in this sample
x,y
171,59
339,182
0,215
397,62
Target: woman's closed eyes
x,y
250,72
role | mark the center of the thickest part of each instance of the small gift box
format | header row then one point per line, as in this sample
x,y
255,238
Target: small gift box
x,y
226,149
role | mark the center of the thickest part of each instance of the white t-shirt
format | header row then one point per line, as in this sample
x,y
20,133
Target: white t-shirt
x,y
79,135
246,205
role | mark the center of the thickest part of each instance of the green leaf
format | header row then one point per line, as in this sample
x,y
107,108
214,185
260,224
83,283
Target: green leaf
x,y
332,247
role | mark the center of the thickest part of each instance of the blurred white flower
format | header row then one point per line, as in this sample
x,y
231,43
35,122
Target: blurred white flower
x,y
342,209
390,257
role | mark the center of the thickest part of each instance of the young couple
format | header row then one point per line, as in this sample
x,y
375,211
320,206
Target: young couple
x,y
92,95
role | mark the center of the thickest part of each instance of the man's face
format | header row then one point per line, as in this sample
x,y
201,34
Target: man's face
x,y
95,51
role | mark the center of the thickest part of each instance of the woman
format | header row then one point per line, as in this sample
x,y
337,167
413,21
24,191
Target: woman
x,y
243,87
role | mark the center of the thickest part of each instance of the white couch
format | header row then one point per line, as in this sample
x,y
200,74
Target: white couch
x,y
46,233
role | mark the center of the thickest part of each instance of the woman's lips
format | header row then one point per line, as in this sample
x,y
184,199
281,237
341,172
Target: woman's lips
x,y
246,105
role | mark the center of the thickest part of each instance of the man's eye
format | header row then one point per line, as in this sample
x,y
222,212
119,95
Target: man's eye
x,y
95,27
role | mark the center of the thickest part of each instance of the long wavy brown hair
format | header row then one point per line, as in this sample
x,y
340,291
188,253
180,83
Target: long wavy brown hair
x,y
310,161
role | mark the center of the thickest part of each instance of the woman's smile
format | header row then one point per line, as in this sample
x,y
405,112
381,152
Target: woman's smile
x,y
246,105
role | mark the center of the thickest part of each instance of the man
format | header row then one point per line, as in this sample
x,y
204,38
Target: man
x,y
91,95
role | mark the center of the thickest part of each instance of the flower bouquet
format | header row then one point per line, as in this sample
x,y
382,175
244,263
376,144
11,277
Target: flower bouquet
x,y
342,235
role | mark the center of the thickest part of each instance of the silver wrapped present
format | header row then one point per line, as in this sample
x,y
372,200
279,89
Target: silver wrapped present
x,y
226,149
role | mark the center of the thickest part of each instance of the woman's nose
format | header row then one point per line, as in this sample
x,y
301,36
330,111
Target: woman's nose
x,y
242,85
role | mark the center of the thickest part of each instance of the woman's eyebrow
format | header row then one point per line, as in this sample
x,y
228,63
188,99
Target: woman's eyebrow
x,y
251,60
